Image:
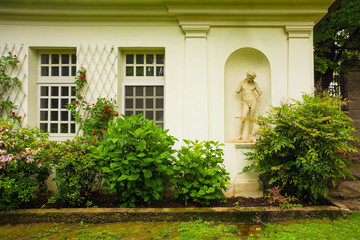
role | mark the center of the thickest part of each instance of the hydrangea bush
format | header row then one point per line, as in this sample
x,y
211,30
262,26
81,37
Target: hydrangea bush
x,y
22,169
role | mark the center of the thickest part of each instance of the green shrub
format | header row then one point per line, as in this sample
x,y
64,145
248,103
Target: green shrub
x,y
135,160
200,175
22,170
301,144
76,174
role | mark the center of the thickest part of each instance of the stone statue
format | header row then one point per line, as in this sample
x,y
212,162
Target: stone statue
x,y
250,92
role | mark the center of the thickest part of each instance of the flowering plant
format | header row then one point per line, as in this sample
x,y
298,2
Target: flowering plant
x,y
22,171
6,85
93,118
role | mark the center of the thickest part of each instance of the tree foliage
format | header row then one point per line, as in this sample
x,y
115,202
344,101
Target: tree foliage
x,y
337,43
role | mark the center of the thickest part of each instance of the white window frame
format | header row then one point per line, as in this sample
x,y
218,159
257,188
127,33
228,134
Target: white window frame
x,y
55,81
143,80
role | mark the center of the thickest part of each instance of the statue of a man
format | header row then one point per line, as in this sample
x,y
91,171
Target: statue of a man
x,y
250,93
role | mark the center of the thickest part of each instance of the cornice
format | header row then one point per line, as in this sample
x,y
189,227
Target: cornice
x,y
298,31
195,31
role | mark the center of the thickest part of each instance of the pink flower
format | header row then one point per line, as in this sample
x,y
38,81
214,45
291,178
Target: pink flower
x,y
39,165
26,136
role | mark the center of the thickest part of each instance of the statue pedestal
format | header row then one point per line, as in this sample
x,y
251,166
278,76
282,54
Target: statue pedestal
x,y
245,184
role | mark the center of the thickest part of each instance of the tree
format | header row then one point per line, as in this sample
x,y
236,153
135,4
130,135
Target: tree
x,y
337,43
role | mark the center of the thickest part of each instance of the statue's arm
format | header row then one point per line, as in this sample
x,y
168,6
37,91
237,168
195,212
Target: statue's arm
x,y
258,90
238,90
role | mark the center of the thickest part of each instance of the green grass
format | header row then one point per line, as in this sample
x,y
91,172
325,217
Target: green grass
x,y
306,229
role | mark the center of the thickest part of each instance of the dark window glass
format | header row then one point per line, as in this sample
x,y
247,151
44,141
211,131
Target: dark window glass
x,y
129,103
139,58
54,71
150,115
44,91
54,103
159,58
159,71
73,92
149,103
139,91
54,116
129,91
129,58
159,91
149,71
128,113
139,71
72,128
54,91
44,71
159,103
44,103
54,58
129,71
65,58
64,102
73,58
64,71
149,58
64,128
53,128
43,115
44,127
44,58
73,71
139,103
64,91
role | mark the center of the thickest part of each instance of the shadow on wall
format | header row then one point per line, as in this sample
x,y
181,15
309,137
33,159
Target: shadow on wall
x,y
237,65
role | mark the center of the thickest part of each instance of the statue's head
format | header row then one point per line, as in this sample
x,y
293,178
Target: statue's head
x,y
251,75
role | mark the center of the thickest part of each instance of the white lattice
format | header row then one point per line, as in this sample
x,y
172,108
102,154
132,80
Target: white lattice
x,y
101,65
17,95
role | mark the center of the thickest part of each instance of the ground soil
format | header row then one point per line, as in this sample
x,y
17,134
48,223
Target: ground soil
x,y
101,200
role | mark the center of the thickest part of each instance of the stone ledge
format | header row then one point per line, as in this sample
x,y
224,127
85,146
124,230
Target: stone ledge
x,y
108,215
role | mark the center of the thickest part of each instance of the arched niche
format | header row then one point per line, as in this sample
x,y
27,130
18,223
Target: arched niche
x,y
237,65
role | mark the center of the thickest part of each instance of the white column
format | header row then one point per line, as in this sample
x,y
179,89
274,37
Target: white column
x,y
195,84
300,61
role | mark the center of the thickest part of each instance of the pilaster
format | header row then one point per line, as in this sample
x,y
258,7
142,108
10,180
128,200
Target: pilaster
x,y
196,120
300,61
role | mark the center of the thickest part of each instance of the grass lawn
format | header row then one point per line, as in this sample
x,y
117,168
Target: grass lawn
x,y
305,229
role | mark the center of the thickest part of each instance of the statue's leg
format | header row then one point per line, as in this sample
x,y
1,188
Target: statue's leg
x,y
244,114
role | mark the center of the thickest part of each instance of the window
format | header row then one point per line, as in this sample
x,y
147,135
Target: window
x,y
144,85
56,89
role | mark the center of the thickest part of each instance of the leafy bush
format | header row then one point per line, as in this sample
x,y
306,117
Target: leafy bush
x,y
76,174
200,175
135,159
22,170
300,146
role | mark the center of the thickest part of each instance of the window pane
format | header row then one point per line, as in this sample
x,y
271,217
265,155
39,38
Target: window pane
x,y
129,58
43,126
129,91
64,128
53,128
129,71
65,58
44,91
73,58
138,112
149,71
54,71
159,116
44,71
139,71
54,58
149,103
64,116
159,91
72,128
159,103
150,115
64,102
150,91
44,103
64,71
128,113
44,58
149,58
65,91
129,103
73,71
159,71
54,91
43,115
159,58
54,116
139,58
54,103
139,91
72,118
139,103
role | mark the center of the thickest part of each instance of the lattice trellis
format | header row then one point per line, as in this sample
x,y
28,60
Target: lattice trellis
x,y
101,65
17,95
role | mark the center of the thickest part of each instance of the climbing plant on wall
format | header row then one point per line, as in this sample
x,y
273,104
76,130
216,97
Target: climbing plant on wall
x,y
7,84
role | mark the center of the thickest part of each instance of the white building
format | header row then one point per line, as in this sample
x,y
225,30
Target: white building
x,y
177,61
